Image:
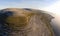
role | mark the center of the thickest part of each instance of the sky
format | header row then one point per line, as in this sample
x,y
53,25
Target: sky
x,y
25,3
54,8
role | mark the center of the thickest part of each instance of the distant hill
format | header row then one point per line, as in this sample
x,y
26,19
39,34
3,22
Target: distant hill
x,y
25,22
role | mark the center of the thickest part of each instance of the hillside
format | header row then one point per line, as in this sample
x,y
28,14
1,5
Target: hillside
x,y
25,22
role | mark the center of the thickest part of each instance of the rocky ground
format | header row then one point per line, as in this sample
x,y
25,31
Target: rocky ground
x,y
25,22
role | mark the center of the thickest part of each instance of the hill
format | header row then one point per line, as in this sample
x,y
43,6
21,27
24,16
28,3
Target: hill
x,y
25,22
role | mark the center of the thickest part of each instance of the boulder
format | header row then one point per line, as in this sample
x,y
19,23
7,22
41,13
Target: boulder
x,y
25,22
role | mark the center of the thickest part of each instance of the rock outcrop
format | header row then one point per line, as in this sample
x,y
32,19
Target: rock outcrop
x,y
25,22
